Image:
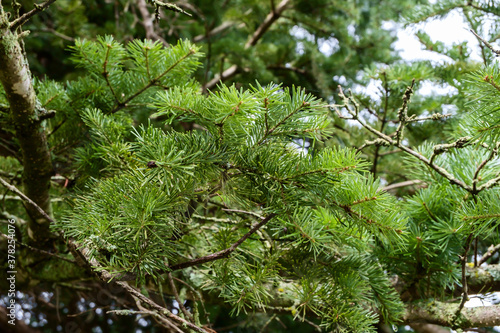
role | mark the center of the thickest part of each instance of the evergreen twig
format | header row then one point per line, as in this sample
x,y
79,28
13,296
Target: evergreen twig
x,y
25,198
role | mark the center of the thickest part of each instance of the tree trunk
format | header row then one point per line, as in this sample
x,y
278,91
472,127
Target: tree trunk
x,y
27,117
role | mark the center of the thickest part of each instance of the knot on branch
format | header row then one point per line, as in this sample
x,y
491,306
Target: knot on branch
x,y
438,116
46,114
378,142
460,143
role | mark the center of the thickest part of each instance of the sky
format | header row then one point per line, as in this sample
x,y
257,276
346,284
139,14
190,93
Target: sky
x,y
448,30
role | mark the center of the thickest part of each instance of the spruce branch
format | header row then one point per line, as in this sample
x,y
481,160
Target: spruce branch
x,y
480,217
431,215
272,129
491,81
223,253
105,73
104,275
355,116
25,198
351,212
186,313
25,17
312,172
152,82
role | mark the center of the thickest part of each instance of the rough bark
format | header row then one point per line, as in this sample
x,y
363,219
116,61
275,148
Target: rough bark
x,y
429,328
483,279
443,314
16,80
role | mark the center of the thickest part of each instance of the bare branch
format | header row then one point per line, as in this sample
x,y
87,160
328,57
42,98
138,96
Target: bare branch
x,y
403,112
163,321
355,116
475,179
169,6
23,19
228,73
488,45
55,33
404,184
442,148
215,31
147,22
491,251
434,116
224,253
187,314
465,290
243,212
266,24
39,250
83,254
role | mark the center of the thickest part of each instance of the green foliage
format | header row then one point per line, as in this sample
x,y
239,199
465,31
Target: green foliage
x,y
482,122
130,227
137,215
126,77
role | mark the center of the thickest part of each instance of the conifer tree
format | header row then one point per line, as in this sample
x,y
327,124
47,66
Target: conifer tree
x,y
179,201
